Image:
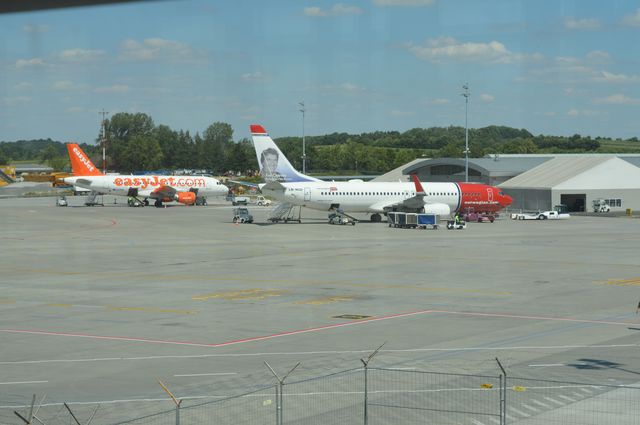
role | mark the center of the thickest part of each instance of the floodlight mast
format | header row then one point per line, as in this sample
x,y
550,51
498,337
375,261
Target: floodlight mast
x,y
304,154
466,95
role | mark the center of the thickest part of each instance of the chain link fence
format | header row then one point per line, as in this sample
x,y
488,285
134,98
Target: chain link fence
x,y
376,396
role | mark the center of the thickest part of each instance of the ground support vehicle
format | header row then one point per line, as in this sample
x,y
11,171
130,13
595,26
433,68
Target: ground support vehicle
x,y
239,200
479,217
600,206
341,218
261,200
456,224
132,201
412,220
559,212
242,215
62,201
201,200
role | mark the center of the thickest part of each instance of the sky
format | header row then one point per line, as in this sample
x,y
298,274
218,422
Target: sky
x,y
550,66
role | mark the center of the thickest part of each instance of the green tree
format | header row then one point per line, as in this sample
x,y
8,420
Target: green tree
x,y
59,163
120,129
141,153
217,138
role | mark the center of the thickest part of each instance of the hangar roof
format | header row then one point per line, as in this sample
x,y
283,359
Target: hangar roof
x,y
580,173
495,166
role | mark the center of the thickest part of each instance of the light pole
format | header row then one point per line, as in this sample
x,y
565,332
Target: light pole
x,y
466,95
304,154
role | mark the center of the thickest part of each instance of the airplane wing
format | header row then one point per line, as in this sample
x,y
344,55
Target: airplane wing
x,y
416,202
241,183
163,192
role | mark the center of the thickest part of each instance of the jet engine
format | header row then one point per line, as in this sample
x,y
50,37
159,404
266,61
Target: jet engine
x,y
438,209
188,198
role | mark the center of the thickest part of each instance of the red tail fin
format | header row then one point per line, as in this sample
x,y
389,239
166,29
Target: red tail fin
x,y
419,188
81,165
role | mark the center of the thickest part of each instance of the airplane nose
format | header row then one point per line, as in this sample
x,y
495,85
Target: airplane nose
x,y
508,200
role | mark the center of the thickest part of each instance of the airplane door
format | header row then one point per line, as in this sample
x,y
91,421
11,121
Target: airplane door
x,y
307,194
490,194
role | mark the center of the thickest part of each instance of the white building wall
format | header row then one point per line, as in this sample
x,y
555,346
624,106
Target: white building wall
x,y
630,197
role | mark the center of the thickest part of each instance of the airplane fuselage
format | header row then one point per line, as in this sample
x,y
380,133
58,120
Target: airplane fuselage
x,y
143,186
372,197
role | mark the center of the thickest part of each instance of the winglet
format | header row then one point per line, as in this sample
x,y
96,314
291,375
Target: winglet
x,y
81,165
258,129
419,188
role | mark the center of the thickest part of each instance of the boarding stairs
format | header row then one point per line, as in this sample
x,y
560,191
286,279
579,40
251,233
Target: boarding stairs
x,y
92,199
5,177
285,212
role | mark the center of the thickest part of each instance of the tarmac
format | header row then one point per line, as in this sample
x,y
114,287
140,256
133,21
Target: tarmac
x,y
98,303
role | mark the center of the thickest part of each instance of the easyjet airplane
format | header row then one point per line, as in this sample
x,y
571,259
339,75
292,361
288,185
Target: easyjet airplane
x,y
284,183
183,189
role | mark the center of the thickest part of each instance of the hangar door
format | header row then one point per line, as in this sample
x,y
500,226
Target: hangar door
x,y
575,202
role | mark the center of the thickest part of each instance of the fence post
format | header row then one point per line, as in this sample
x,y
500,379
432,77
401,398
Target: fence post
x,y
280,387
175,400
365,362
503,394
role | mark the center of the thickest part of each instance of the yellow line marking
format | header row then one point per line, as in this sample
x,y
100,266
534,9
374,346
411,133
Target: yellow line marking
x,y
326,300
621,282
59,305
152,310
245,294
230,279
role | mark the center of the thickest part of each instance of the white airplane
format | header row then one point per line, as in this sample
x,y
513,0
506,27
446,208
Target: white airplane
x,y
286,184
183,189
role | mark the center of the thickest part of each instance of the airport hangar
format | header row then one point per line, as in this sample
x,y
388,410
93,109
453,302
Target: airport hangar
x,y
541,181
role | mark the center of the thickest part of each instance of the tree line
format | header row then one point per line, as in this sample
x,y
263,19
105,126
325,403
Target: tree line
x,y
135,142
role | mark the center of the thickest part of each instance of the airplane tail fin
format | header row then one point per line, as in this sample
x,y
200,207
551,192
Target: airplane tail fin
x,y
274,166
81,165
416,181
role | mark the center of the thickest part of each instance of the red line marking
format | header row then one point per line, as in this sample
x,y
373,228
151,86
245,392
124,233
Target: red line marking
x,y
517,316
303,331
221,344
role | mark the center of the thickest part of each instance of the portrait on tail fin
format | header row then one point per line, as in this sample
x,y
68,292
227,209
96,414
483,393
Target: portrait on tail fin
x,y
274,166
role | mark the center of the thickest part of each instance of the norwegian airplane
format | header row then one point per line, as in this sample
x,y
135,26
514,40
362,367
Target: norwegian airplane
x,y
183,189
286,184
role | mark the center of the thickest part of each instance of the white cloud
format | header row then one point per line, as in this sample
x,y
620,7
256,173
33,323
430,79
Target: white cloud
x,y
616,99
116,88
16,100
582,113
351,88
404,2
66,85
81,55
25,63
399,113
156,49
598,56
439,101
23,86
338,9
445,49
582,24
254,77
35,29
609,77
632,20
487,98
315,11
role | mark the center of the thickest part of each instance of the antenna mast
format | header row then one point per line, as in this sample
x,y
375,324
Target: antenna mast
x,y
103,142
